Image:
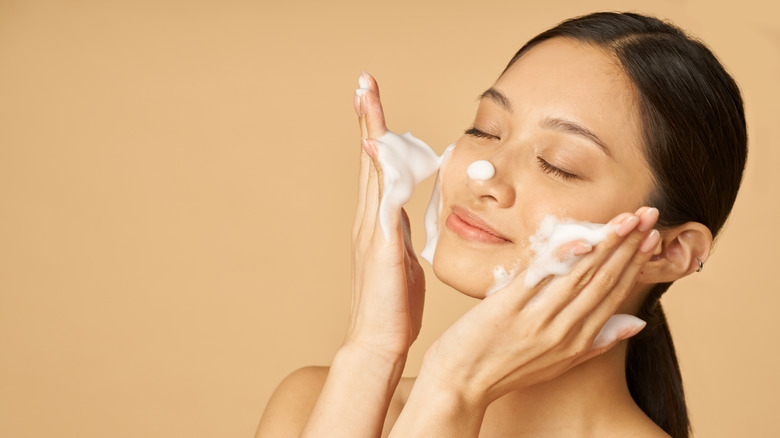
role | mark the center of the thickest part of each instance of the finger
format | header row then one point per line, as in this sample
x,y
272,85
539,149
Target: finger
x,y
563,289
556,262
618,328
610,287
388,225
610,272
371,202
407,234
570,249
610,304
365,163
372,107
367,81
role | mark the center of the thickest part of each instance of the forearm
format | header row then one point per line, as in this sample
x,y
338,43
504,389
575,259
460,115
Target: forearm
x,y
356,395
435,409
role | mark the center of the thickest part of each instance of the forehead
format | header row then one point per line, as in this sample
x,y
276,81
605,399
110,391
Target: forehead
x,y
566,78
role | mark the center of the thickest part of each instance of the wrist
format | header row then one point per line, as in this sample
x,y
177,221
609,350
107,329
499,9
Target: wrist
x,y
372,360
436,408
462,394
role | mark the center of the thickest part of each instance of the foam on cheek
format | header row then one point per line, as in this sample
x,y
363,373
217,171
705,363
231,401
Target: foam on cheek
x,y
406,161
501,279
551,235
433,212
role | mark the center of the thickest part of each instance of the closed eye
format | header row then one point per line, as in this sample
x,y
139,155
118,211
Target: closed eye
x,y
474,132
549,168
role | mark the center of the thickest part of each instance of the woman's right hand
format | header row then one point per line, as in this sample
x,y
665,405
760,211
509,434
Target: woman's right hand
x,y
388,284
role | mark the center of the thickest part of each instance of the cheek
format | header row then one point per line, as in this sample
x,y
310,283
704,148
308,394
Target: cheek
x,y
465,268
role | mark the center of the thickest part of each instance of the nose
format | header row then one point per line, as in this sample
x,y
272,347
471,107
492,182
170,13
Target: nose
x,y
489,184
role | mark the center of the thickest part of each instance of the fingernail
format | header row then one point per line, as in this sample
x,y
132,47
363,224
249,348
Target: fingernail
x,y
650,242
648,219
356,104
617,328
631,331
369,147
582,248
617,220
627,226
362,103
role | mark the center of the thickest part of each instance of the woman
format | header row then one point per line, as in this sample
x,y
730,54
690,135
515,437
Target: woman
x,y
601,115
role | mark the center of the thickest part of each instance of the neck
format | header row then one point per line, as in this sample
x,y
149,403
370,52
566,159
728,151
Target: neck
x,y
585,401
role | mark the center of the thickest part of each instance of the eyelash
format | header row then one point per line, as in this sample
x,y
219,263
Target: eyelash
x,y
549,168
474,132
546,167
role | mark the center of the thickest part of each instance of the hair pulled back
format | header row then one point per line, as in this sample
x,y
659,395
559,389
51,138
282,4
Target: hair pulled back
x,y
695,143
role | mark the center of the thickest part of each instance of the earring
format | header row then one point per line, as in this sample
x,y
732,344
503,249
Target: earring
x,y
701,265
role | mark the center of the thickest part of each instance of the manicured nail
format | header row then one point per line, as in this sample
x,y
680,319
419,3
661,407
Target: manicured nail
x,y
582,248
617,328
650,242
369,147
356,104
648,218
637,327
627,226
362,100
617,220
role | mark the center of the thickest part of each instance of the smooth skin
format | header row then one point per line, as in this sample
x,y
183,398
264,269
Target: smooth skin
x,y
520,362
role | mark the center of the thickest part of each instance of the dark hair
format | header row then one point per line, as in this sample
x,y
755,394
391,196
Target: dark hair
x,y
695,142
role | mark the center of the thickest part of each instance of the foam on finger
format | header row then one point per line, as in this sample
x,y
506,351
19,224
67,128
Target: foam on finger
x,y
551,235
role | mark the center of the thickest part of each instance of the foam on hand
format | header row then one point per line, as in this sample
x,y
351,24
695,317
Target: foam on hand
x,y
551,235
433,212
406,161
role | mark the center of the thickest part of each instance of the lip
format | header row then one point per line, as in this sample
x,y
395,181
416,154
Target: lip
x,y
471,227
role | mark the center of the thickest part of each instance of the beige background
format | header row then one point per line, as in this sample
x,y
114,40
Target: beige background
x,y
177,182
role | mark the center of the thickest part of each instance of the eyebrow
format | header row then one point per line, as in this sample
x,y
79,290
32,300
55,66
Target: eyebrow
x,y
570,127
554,123
497,97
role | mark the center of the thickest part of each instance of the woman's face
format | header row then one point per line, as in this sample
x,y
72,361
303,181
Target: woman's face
x,y
563,131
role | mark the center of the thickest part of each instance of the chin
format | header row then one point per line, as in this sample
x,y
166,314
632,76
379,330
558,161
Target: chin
x,y
462,274
459,284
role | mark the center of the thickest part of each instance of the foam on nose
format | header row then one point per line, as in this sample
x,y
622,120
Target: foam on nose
x,y
481,170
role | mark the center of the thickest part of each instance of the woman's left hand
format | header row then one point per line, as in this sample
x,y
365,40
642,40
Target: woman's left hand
x,y
521,336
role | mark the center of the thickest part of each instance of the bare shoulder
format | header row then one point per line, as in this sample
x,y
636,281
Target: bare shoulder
x,y
640,426
292,402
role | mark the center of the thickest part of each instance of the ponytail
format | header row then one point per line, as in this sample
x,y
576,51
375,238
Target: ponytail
x,y
652,372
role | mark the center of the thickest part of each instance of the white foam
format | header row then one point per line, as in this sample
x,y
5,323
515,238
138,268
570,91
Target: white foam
x,y
481,170
553,233
433,212
501,279
363,80
406,161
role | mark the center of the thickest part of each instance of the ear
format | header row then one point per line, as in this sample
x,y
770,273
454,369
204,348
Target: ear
x,y
679,253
